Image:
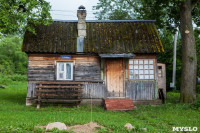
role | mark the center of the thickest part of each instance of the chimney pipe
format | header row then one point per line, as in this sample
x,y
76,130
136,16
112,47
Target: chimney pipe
x,y
81,27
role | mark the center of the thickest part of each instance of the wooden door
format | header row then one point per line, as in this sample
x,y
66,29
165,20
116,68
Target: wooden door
x,y
115,77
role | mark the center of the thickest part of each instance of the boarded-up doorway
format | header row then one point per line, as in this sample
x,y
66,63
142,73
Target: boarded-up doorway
x,y
115,77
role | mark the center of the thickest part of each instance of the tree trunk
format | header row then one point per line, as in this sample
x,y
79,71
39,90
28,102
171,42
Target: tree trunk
x,y
189,58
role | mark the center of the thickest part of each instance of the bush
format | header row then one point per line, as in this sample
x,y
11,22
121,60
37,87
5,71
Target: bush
x,y
196,104
6,80
18,77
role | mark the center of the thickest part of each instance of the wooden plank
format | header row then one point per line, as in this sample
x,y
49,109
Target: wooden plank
x,y
63,87
102,69
114,75
38,91
42,82
57,95
58,100
140,90
94,90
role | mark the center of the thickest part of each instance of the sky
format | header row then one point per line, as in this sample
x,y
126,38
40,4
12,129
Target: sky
x,y
67,9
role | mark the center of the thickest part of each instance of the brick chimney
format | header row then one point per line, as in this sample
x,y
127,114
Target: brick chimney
x,y
81,27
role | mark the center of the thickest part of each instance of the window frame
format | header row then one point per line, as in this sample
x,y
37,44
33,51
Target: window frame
x,y
154,68
72,70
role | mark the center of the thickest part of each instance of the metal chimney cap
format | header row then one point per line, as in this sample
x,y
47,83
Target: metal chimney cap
x,y
81,7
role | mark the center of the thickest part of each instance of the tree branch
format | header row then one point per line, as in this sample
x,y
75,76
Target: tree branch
x,y
130,3
194,3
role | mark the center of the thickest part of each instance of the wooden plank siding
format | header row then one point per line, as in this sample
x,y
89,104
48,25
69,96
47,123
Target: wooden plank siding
x,y
42,67
140,89
92,71
94,90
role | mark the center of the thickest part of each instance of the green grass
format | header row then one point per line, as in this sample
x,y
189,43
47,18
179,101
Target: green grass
x,y
16,117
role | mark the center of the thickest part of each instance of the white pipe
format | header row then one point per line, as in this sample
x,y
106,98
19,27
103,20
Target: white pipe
x,y
174,61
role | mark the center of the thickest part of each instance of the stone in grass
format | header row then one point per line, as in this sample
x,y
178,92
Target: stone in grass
x,y
58,125
143,129
128,126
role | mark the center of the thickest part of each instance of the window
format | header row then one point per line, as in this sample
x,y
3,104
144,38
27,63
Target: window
x,y
141,69
64,71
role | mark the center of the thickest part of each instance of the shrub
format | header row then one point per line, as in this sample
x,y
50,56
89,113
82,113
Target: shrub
x,y
18,77
196,104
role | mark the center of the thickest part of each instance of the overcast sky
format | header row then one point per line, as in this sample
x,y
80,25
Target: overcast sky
x,y
66,9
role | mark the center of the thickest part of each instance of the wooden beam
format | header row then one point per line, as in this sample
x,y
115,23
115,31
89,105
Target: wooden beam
x,y
63,87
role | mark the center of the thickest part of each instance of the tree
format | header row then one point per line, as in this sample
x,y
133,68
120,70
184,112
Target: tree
x,y
14,15
12,60
169,14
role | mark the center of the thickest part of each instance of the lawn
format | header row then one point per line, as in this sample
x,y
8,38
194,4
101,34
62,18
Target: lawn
x,y
16,117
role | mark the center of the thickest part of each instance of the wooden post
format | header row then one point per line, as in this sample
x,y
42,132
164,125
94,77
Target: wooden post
x,y
102,69
78,102
39,98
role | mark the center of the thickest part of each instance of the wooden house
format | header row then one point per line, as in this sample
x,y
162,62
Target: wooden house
x,y
106,58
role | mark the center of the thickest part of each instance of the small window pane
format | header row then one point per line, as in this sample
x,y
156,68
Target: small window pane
x,y
141,76
130,66
136,76
135,66
141,66
146,77
141,62
146,71
151,76
68,72
141,72
145,61
130,76
135,61
135,71
150,61
131,72
146,66
61,76
151,72
61,66
130,61
150,66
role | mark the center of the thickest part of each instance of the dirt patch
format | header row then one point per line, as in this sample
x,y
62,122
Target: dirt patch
x,y
86,128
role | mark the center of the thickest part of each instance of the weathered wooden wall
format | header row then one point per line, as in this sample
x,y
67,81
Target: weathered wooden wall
x,y
42,67
90,90
94,90
31,88
140,90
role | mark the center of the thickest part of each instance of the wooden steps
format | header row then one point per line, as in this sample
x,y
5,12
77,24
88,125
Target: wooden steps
x,y
119,104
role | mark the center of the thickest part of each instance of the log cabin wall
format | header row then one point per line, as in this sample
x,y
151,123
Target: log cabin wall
x,y
42,67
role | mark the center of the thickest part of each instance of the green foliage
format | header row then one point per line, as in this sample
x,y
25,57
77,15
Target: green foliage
x,y
113,10
196,104
166,13
12,59
14,15
197,40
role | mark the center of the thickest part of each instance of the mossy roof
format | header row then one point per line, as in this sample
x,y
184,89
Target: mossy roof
x,y
113,37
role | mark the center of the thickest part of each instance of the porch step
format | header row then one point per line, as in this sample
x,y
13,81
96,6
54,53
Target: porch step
x,y
119,104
